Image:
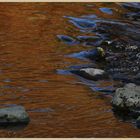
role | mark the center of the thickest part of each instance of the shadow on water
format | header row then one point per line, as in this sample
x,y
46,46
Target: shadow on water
x,y
13,127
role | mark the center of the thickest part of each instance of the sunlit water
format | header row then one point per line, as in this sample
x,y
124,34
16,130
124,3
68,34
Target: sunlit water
x,y
33,61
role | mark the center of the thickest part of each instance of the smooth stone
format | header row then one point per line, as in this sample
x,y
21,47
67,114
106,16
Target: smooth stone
x,y
127,98
13,115
91,73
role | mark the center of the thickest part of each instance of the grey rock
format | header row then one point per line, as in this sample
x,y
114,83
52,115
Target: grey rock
x,y
13,115
91,73
127,98
137,77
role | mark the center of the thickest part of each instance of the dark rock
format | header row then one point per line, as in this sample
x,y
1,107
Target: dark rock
x,y
133,16
91,73
92,16
97,54
137,77
122,77
13,115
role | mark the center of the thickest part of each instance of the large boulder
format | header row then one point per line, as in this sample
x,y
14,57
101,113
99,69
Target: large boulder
x,y
127,98
13,115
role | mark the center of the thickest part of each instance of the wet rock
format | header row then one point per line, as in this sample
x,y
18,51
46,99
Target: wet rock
x,y
13,115
105,90
128,32
83,54
97,54
127,98
81,66
123,64
137,79
91,73
122,77
117,45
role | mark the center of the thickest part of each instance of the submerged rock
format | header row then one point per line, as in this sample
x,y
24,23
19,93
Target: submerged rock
x,y
97,54
91,73
127,98
13,115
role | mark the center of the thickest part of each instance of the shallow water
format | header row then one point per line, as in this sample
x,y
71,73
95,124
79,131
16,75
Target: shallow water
x,y
32,71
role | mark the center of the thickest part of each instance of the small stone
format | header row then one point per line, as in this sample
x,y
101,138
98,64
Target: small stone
x,y
91,73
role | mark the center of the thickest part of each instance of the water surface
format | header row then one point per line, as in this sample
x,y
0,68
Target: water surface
x,y
32,60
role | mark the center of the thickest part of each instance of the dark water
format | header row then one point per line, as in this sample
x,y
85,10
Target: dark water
x,y
38,43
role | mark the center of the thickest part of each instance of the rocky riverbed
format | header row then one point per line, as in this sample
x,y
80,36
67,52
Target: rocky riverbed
x,y
115,55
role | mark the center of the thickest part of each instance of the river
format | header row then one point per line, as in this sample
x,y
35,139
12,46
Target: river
x,y
32,60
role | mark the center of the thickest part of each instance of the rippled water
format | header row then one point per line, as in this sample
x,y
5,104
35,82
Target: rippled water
x,y
33,63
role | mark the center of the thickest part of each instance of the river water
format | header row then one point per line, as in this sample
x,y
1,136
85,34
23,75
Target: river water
x,y
32,60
